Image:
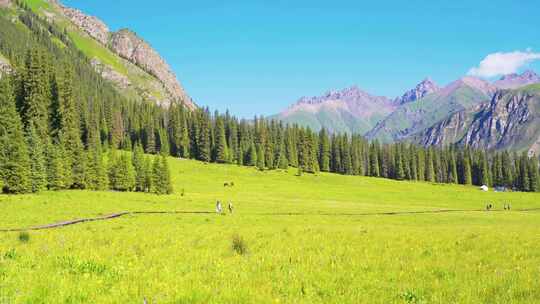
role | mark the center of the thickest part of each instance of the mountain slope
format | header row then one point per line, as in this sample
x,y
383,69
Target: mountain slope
x,y
416,116
349,110
122,58
511,120
514,81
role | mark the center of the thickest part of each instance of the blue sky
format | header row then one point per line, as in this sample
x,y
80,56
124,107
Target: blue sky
x,y
257,57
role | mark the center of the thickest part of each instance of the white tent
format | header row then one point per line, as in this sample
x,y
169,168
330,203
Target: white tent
x,y
484,188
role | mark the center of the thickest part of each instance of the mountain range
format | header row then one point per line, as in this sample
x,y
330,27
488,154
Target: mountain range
x,y
432,115
468,111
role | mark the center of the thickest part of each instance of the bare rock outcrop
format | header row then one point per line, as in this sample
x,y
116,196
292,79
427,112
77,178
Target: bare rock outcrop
x,y
108,73
5,67
511,120
94,27
5,3
129,46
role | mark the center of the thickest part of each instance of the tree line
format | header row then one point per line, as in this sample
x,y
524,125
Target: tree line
x,y
61,126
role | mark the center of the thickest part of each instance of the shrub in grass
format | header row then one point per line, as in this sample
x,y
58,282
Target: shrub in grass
x,y
24,237
411,298
239,245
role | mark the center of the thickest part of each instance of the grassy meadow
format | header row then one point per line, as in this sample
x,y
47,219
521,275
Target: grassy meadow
x,y
311,239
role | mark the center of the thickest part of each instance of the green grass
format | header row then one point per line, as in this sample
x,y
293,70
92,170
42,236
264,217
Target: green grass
x,y
37,5
326,253
93,49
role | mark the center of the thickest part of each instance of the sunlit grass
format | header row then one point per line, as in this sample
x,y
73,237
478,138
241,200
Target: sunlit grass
x,y
327,252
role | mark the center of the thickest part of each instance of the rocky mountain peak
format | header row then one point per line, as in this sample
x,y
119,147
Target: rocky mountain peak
x,y
131,47
425,87
471,82
348,94
514,80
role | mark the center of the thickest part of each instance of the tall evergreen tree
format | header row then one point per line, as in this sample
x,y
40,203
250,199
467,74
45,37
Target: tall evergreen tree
x,y
222,151
430,169
35,101
38,173
138,162
161,176
69,133
14,159
121,172
324,151
55,167
374,160
260,158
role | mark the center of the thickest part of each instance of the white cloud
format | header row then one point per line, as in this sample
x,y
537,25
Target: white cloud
x,y
503,63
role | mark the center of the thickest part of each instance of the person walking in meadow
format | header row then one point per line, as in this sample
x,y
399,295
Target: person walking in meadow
x,y
218,207
231,208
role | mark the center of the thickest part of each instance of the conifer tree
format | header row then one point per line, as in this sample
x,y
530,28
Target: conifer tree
x,y
467,171
421,164
148,176
251,159
121,172
38,173
291,147
336,163
203,142
534,182
184,139
400,172
507,169
69,133
138,162
283,162
260,158
14,158
55,167
97,177
374,160
222,155
452,169
161,177
484,170
35,101
430,170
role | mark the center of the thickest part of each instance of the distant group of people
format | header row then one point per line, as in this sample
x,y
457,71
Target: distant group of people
x,y
506,206
219,208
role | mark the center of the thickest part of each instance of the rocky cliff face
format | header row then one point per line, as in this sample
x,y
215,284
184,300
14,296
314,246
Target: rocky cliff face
x,y
511,120
94,27
426,87
129,46
133,49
